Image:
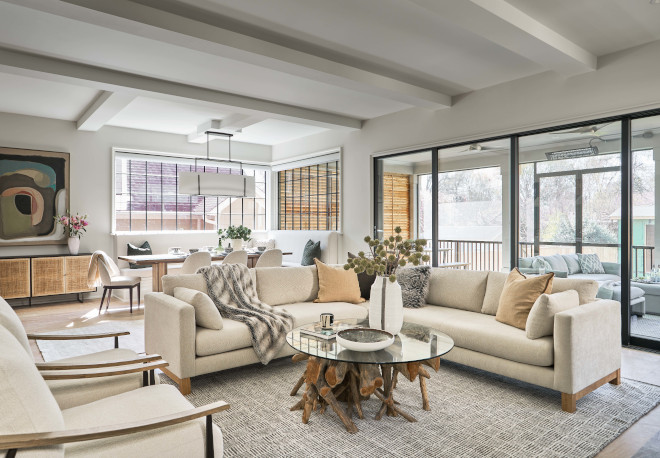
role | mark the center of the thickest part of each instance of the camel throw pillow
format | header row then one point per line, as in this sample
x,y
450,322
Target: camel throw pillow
x,y
337,284
519,295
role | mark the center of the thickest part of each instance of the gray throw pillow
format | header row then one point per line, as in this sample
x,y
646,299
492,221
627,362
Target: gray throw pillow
x,y
414,282
312,250
590,264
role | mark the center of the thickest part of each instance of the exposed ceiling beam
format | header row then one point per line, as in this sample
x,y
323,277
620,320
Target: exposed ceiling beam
x,y
507,26
164,26
232,124
104,108
18,62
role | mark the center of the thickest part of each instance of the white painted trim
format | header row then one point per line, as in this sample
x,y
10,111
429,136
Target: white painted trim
x,y
300,157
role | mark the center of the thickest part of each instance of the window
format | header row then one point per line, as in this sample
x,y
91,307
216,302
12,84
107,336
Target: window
x,y
147,198
309,197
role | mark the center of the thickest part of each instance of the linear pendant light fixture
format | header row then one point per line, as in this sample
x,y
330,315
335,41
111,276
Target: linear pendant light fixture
x,y
216,184
573,153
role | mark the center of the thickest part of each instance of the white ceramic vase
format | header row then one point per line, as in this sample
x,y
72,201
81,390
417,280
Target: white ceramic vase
x,y
74,245
236,244
386,305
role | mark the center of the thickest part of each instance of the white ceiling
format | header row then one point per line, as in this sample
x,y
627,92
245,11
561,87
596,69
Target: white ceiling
x,y
293,68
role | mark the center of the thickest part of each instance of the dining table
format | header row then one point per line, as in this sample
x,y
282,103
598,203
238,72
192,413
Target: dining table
x,y
159,263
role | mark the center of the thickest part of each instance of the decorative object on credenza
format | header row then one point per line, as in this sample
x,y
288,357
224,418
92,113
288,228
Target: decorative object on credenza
x,y
385,257
34,187
236,235
74,228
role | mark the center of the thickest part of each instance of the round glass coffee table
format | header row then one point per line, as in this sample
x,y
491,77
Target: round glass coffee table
x,y
335,374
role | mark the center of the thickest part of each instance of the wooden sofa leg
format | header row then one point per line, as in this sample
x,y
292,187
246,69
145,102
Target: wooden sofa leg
x,y
184,383
568,401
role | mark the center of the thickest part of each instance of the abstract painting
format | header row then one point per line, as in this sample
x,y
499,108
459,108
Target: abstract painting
x,y
34,187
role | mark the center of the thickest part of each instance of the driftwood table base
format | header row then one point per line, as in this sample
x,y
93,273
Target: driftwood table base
x,y
328,383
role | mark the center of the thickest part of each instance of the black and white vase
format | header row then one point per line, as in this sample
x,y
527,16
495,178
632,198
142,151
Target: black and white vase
x,y
386,305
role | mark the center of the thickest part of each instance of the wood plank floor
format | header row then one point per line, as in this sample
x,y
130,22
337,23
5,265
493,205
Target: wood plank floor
x,y
636,365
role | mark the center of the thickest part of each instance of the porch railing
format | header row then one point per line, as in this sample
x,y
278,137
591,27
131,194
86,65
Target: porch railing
x,y
487,255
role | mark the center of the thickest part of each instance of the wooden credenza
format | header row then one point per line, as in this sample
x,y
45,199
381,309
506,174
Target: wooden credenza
x,y
37,276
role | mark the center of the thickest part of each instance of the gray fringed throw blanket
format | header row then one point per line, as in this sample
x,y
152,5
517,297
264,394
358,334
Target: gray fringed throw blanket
x,y
232,290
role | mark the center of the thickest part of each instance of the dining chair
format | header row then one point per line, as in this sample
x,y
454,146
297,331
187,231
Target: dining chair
x,y
111,280
195,261
236,257
270,258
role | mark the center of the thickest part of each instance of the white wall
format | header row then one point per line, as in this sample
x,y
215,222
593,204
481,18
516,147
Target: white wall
x,y
625,82
91,167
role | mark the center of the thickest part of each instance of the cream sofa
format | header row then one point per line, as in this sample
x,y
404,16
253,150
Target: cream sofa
x,y
584,353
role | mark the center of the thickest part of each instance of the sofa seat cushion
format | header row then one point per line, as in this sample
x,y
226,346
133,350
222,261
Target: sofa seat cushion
x,y
460,289
596,277
482,333
234,335
72,393
186,439
309,312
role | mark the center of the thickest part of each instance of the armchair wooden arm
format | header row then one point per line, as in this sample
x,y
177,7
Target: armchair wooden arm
x,y
14,442
126,369
97,335
65,367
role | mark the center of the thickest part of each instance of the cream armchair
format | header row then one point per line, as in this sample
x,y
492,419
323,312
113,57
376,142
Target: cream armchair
x,y
151,421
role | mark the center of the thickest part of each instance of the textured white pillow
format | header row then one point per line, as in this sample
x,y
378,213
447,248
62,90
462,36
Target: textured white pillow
x,y
541,319
207,314
268,243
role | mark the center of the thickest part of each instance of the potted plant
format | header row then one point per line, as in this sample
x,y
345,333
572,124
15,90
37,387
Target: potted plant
x,y
384,258
74,227
237,235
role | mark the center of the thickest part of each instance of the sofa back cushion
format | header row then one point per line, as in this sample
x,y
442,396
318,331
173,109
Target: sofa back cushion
x,y
457,288
28,406
287,285
586,289
573,263
10,321
494,288
557,262
190,281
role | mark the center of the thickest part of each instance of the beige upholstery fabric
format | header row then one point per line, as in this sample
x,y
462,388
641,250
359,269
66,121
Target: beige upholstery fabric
x,y
541,319
460,289
169,330
542,376
10,321
236,257
122,281
207,314
26,403
287,285
309,312
586,289
519,295
235,358
480,332
186,439
233,336
194,281
494,288
587,344
194,262
337,284
71,393
270,258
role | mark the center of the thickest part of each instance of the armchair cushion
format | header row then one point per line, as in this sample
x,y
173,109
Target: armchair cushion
x,y
207,314
10,321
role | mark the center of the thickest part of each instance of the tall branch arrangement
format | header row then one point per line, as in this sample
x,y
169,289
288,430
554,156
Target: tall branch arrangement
x,y
386,256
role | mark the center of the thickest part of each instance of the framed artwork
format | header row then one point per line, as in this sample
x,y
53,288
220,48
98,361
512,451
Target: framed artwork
x,y
34,187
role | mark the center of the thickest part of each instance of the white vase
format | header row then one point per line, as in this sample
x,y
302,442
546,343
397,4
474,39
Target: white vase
x,y
74,245
386,305
236,244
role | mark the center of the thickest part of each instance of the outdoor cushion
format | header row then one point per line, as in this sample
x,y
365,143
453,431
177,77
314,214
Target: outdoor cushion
x,y
71,393
557,262
590,264
461,289
277,286
596,277
573,263
185,439
482,333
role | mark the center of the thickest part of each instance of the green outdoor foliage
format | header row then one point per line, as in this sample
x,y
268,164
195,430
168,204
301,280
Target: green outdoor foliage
x,y
386,256
235,232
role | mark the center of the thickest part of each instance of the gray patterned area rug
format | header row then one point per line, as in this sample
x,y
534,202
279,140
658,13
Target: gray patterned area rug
x,y
473,414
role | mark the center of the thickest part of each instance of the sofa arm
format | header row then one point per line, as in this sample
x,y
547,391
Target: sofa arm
x,y
587,342
169,330
612,268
